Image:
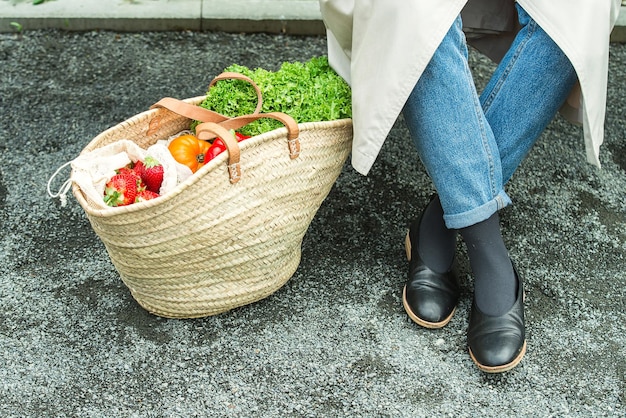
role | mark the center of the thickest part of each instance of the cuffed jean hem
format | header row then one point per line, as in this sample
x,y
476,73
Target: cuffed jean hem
x,y
479,214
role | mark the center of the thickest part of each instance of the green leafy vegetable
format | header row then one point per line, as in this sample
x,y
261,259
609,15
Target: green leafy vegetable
x,y
308,92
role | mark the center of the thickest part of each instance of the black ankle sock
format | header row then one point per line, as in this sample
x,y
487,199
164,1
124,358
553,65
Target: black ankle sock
x,y
495,284
436,243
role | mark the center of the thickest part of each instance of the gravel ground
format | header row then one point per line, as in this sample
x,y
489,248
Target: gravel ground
x,y
334,341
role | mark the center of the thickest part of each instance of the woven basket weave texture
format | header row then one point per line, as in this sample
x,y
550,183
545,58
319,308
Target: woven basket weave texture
x,y
210,246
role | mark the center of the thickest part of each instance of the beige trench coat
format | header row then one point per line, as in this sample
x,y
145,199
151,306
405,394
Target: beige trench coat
x,y
382,47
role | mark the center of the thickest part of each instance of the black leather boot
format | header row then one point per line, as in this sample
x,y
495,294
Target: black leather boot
x,y
429,298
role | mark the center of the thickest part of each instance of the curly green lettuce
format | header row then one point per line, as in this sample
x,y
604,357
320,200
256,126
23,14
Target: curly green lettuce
x,y
309,92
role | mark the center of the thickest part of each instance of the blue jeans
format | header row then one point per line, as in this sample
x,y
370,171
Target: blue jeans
x,y
470,145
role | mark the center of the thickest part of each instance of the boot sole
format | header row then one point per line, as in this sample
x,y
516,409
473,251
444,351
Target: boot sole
x,y
503,368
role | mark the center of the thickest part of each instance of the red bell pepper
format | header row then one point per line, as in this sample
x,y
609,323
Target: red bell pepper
x,y
240,137
218,146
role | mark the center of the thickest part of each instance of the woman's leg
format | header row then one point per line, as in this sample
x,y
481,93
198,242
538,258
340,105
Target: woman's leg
x,y
525,92
453,137
472,146
522,97
470,153
460,153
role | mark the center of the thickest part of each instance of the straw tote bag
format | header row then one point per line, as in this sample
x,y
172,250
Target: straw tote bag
x,y
230,234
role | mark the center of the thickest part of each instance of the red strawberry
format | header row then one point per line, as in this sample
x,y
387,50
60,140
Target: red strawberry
x,y
120,190
144,195
138,167
124,170
128,170
152,174
135,173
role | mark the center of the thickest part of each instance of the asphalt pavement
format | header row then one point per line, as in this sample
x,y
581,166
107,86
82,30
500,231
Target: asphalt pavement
x,y
334,341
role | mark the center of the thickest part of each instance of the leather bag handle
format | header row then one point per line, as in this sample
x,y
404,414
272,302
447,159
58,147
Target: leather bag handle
x,y
189,110
201,114
209,130
212,130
